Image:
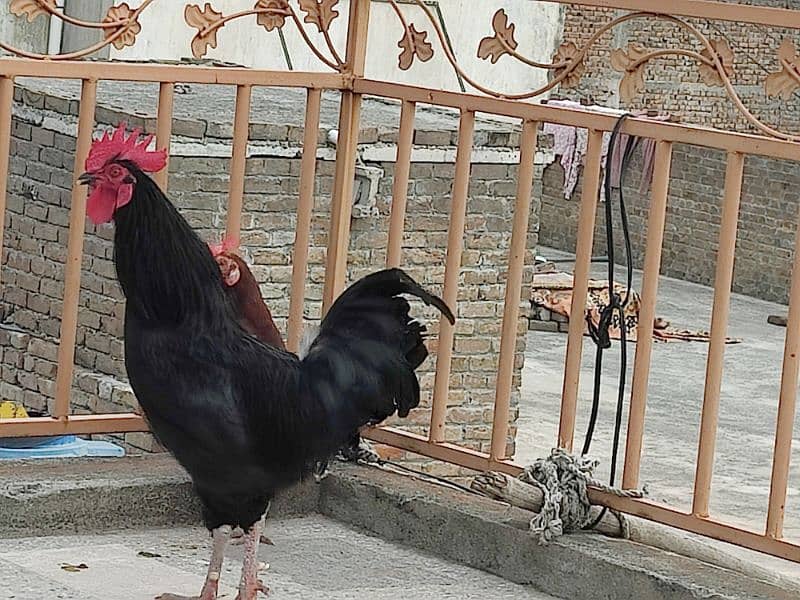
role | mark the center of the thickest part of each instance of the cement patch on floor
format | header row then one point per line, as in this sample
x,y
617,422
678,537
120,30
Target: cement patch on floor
x,y
312,558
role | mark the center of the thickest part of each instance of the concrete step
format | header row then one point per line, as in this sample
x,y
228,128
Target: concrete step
x,y
89,501
313,558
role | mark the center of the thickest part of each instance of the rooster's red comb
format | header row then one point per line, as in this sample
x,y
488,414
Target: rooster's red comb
x,y
224,246
131,148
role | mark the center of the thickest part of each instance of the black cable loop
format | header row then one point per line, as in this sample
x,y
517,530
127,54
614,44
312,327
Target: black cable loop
x,y
616,304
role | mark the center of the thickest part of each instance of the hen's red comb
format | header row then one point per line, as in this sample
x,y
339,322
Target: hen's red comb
x,y
223,247
117,146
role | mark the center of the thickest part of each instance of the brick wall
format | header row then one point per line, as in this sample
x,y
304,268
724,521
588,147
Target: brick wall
x,y
767,219
35,248
673,83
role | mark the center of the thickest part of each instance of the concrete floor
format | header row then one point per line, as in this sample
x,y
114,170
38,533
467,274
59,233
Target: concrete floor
x,y
747,413
313,558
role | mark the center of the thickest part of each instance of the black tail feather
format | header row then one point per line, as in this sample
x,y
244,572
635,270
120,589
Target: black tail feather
x,y
367,351
393,282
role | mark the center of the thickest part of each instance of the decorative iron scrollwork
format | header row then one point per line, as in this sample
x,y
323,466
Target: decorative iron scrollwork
x,y
714,57
274,15
414,44
271,14
715,60
125,34
120,26
207,22
502,42
319,12
785,82
31,8
568,67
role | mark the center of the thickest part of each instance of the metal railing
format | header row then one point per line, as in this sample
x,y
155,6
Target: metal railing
x,y
349,80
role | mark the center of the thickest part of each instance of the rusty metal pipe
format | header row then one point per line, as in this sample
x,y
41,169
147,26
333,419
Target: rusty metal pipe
x,y
516,265
305,207
455,246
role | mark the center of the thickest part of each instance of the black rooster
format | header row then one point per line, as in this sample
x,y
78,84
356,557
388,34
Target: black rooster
x,y
255,317
244,419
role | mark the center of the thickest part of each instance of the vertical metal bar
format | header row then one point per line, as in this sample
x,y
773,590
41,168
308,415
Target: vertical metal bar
x,y
6,101
241,130
349,119
72,267
787,405
305,206
402,169
342,203
357,30
583,257
166,101
455,245
516,265
647,313
719,326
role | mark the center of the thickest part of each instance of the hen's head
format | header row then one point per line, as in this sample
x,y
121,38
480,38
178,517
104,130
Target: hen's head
x,y
107,174
226,259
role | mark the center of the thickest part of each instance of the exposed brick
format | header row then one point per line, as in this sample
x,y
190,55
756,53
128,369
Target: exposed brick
x,y
64,142
28,281
189,128
43,349
54,289
21,130
87,382
432,138
46,369
766,226
198,187
59,105
54,157
24,149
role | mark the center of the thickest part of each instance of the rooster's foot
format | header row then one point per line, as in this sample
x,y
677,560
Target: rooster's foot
x,y
237,538
361,453
320,471
252,594
209,591
207,594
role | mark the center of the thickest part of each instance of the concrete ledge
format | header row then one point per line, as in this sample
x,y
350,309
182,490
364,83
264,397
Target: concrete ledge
x,y
494,537
37,498
73,496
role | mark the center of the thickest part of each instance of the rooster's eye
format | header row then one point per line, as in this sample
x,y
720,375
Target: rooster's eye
x,y
115,171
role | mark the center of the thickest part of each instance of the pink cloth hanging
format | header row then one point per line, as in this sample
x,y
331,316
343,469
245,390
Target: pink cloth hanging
x,y
570,144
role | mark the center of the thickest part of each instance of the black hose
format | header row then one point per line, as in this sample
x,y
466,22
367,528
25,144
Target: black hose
x,y
616,305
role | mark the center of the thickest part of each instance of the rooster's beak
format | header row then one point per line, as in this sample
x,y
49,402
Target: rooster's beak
x,y
86,179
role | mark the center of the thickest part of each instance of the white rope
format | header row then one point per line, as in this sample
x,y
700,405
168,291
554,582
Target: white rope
x,y
563,480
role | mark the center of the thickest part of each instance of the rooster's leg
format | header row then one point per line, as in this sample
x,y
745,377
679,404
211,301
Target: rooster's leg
x,y
220,537
250,584
320,470
357,449
237,537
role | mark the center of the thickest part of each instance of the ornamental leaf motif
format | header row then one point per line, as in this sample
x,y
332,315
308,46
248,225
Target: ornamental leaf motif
x,y
709,73
629,62
276,17
319,12
206,22
414,44
123,12
786,81
567,52
787,50
31,8
496,46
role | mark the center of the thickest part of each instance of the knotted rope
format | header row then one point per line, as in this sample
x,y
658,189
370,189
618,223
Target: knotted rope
x,y
563,480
